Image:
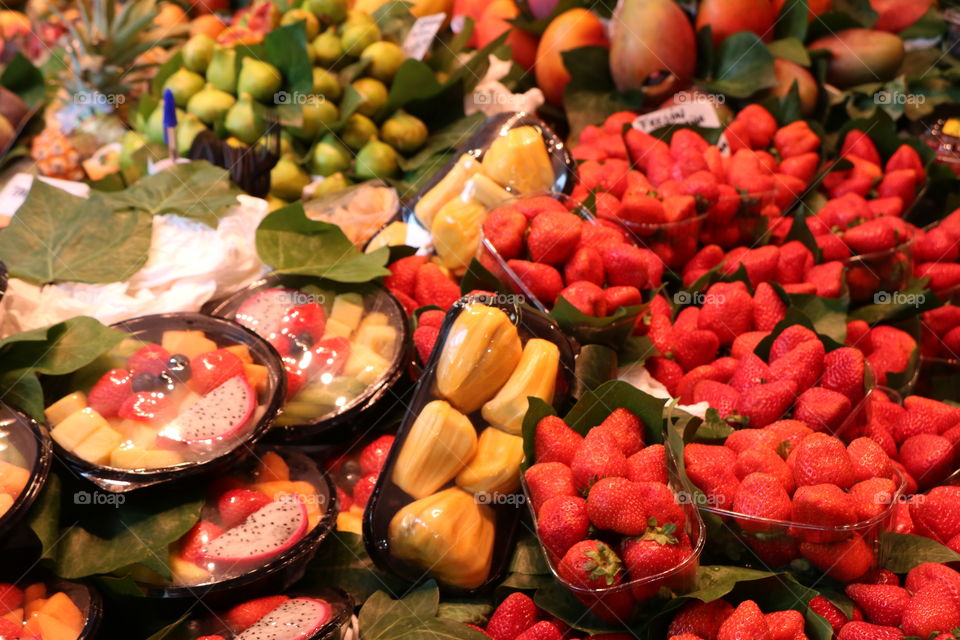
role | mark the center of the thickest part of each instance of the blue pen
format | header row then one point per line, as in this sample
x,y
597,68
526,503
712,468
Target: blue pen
x,y
170,124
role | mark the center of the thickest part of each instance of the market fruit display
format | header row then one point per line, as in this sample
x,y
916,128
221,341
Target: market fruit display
x,y
13,480
35,611
355,477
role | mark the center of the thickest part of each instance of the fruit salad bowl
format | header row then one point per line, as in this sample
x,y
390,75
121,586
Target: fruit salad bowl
x,y
41,607
342,349
25,457
259,526
184,394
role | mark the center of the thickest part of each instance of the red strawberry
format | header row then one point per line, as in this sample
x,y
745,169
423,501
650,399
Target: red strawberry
x,y
719,396
905,157
760,125
710,467
617,297
768,308
882,604
548,479
211,369
542,630
543,281
532,207
727,311
935,245
789,433
746,343
625,427
434,287
431,318
760,263
516,614
937,516
553,237
867,631
661,505
585,264
408,303
692,349
639,207
746,621
197,538
931,609
555,441
110,391
901,183
364,489
789,339
700,619
237,505
857,143
243,615
823,505
505,228
869,460
616,504
659,550
928,458
10,629
766,403
826,278
403,274
586,297
802,166
374,455
625,265
795,139
870,237
942,276
146,406
424,339
665,371
786,625
600,456
592,565
803,365
822,459
562,522
761,496
11,597
648,465
596,236
843,371
932,573
743,440
822,409
845,561
829,611
763,459
304,320
940,414
151,358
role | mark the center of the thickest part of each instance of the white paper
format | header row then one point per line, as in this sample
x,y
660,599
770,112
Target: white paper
x,y
421,35
16,190
701,114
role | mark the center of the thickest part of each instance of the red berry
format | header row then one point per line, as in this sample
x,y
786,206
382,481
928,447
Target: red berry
x,y
151,358
211,369
197,538
363,489
146,406
374,455
306,319
237,505
243,615
108,394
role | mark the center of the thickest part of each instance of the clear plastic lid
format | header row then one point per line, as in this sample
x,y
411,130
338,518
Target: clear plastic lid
x,y
25,456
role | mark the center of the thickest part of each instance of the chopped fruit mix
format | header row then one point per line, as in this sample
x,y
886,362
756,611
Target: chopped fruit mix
x,y
33,613
247,522
186,399
275,618
334,347
355,477
13,480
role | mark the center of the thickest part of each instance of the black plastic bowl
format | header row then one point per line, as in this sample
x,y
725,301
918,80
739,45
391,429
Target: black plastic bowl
x,y
30,444
86,598
225,333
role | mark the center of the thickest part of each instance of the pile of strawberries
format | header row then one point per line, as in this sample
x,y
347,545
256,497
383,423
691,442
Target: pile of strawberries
x,y
606,515
887,349
417,282
356,478
936,255
517,618
787,473
940,332
719,620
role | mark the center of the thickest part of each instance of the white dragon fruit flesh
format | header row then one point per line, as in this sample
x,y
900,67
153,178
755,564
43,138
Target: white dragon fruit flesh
x,y
263,311
218,414
265,533
295,619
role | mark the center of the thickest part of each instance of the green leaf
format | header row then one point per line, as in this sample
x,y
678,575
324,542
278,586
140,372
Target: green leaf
x,y
528,557
164,71
827,315
914,299
69,346
791,49
591,94
902,552
412,628
21,388
290,242
611,331
449,137
859,10
743,66
44,516
342,560
595,365
714,582
596,405
349,104
25,80
465,611
58,237
394,19
479,277
792,20
415,80
287,51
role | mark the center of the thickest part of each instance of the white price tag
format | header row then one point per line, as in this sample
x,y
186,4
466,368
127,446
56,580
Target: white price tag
x,y
421,35
16,190
700,114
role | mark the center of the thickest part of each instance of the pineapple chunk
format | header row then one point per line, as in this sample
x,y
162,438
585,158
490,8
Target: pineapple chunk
x,y
365,364
347,309
49,628
133,457
12,478
374,319
97,446
6,501
380,338
350,522
65,407
241,351
75,428
137,434
336,329
61,607
257,376
189,343
186,572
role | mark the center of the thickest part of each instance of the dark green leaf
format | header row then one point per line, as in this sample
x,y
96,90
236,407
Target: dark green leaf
x,y
591,95
792,20
610,331
931,25
25,80
827,315
743,66
595,365
164,71
714,582
859,10
790,49
414,81
287,51
342,560
69,346
528,557
902,552
594,406
449,137
380,612
44,517
478,277
914,299
800,231
394,19
465,611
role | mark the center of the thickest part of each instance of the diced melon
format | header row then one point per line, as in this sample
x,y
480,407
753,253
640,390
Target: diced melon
x,y
347,309
97,446
35,591
380,338
336,329
273,467
50,628
257,375
189,343
12,478
131,457
6,501
241,351
374,319
65,407
77,427
138,434
187,572
15,616
61,607
365,364
33,606
350,522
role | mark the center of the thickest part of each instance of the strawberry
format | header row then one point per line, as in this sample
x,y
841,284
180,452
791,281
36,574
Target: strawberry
x,y
305,322
822,409
768,308
424,339
795,139
553,237
661,505
935,245
928,458
586,297
700,619
596,236
625,427
516,614
901,183
789,433
616,297
942,276
548,479
845,561
534,206
555,441
197,538
152,359
658,551
746,343
591,564
600,456
403,273
742,440
832,250
892,206
344,500
718,395
940,414
211,369
826,278
625,265
761,496
746,621
867,631
374,455
803,364
822,459
931,609
616,504
789,339
937,516
505,227
561,523
585,264
829,612
434,287
11,597
786,625
692,349
760,125
147,406
667,372
760,264
542,630
882,604
110,391
245,614
615,123
364,489
857,143
844,371
822,505
905,157
870,237
640,207
869,460
766,403
543,281
727,311
237,505
407,302
710,467
764,459
10,629
431,318
648,465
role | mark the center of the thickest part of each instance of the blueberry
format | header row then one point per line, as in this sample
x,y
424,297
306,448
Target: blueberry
x,y
167,381
349,481
304,341
350,466
179,367
146,382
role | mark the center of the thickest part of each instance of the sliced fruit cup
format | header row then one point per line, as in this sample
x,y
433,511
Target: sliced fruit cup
x,y
49,609
875,278
184,394
258,528
445,505
675,242
936,134
25,456
354,469
360,211
841,552
342,348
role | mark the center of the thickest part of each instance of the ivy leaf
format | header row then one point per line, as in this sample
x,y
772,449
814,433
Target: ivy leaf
x,y
287,51
902,552
743,66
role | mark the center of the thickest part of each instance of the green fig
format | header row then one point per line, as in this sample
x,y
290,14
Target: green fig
x,y
374,94
385,58
376,160
183,83
260,79
326,84
327,48
404,132
222,70
130,144
309,21
286,143
328,11
210,104
331,184
243,122
318,115
198,52
311,53
287,180
358,37
354,18
329,156
154,128
358,131
187,129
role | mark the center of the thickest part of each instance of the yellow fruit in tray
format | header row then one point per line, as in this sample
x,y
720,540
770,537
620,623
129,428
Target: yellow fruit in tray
x,y
6,501
535,375
272,467
12,478
347,309
189,343
257,376
486,191
61,607
98,446
365,364
379,338
65,407
350,522
133,457
456,233
241,351
185,571
495,468
393,234
519,160
336,329
49,628
448,188
440,443
71,431
448,534
478,356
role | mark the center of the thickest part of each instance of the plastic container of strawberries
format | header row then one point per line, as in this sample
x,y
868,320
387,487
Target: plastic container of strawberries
x,y
346,414
26,444
387,498
212,455
875,277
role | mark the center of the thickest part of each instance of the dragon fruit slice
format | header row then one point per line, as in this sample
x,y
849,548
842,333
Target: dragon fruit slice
x,y
266,532
219,414
295,619
263,312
